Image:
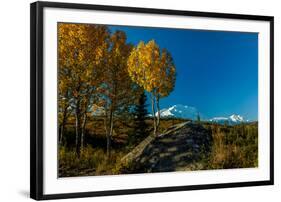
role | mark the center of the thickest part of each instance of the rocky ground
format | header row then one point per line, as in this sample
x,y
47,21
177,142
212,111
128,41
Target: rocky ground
x,y
181,147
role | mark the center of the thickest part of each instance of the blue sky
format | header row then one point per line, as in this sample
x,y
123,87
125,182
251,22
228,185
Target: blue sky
x,y
217,72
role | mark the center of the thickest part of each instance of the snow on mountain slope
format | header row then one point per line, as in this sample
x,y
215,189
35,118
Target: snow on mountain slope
x,y
179,111
236,118
232,120
187,112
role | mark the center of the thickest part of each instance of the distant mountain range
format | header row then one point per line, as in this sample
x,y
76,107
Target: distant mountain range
x,y
187,112
232,120
179,111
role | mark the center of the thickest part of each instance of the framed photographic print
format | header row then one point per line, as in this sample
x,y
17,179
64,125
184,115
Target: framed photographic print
x,y
135,100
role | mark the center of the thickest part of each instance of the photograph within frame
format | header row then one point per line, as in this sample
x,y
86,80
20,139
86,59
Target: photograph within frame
x,y
105,125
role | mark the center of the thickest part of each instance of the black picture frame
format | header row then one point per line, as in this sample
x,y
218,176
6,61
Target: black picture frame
x,y
36,98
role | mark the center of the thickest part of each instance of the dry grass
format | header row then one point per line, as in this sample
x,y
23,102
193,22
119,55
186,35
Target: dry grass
x,y
91,162
234,147
231,147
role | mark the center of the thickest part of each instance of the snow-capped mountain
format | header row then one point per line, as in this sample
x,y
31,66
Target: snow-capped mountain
x,y
187,112
232,120
236,118
179,111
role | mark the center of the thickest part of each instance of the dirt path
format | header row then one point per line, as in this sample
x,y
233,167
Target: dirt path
x,y
179,148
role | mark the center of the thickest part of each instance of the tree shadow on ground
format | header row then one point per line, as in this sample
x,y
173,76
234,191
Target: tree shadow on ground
x,y
174,151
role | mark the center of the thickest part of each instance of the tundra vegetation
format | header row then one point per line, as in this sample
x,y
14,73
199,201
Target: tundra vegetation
x,y
104,126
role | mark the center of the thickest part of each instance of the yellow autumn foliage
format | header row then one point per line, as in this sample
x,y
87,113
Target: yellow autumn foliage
x,y
81,49
152,68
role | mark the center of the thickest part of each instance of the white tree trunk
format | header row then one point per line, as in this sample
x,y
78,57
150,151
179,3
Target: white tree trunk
x,y
153,112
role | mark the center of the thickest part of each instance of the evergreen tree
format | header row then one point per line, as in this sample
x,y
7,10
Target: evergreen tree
x,y
140,113
198,117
